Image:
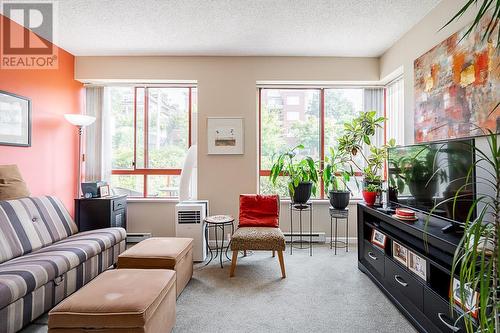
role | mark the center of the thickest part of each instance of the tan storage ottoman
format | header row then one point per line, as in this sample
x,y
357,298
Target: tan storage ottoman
x,y
162,252
125,301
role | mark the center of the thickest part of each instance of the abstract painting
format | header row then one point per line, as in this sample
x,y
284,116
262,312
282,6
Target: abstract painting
x,y
457,88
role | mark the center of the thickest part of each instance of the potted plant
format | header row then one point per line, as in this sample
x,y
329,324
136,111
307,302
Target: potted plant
x,y
335,178
370,193
302,174
359,133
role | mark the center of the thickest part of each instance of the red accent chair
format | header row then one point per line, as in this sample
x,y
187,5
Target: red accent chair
x,y
258,228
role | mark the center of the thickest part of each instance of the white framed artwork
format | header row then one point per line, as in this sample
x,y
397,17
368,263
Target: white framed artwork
x,y
225,135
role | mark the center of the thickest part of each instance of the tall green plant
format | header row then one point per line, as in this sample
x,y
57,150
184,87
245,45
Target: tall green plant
x,y
477,259
359,132
304,170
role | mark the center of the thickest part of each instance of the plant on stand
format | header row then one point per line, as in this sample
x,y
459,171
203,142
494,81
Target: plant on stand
x,y
302,174
336,175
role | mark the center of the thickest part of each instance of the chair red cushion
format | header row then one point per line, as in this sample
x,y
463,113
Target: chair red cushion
x,y
259,210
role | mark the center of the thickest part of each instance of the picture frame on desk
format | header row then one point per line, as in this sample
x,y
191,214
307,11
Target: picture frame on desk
x,y
417,265
104,191
378,239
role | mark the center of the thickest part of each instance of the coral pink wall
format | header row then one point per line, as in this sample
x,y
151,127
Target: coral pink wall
x,y
49,166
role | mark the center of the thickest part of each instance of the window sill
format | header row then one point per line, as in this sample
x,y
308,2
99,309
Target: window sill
x,y
149,200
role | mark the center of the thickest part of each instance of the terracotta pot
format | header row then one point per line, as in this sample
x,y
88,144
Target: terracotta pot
x,y
369,197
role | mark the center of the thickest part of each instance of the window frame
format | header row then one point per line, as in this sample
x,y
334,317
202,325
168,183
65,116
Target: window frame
x,y
322,118
145,172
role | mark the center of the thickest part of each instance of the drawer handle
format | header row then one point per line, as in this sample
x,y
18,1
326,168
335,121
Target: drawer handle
x,y
371,255
441,317
400,280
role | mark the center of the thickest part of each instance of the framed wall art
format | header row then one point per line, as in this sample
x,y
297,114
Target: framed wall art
x,y
225,136
15,120
457,86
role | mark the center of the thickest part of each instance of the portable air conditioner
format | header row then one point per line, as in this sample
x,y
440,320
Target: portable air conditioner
x,y
189,222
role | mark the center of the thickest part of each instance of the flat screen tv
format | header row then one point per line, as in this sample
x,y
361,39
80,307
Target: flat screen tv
x,y
422,176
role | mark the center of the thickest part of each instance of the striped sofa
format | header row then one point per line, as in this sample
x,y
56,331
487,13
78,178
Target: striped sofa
x,y
43,258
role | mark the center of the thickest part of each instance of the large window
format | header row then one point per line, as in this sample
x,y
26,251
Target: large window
x,y
151,129
312,117
395,110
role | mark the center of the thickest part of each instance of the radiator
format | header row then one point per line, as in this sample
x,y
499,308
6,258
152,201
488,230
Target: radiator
x,y
317,237
136,237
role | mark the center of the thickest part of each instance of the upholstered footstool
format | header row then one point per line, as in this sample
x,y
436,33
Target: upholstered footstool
x,y
125,300
165,253
259,239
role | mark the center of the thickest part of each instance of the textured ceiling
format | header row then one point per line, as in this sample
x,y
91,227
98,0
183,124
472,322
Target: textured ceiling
x,y
360,28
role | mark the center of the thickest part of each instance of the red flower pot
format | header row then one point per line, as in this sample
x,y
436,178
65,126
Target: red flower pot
x,y
369,197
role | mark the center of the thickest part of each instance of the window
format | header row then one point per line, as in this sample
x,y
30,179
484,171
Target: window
x,y
151,133
316,121
395,110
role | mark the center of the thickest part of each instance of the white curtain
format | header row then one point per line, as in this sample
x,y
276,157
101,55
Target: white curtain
x,y
395,111
97,136
373,100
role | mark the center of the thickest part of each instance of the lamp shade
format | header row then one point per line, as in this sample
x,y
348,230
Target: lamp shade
x,y
79,120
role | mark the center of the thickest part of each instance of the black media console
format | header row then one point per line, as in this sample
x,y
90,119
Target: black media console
x,y
424,302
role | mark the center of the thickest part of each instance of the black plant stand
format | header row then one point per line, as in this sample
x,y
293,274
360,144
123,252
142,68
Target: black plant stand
x,y
337,214
308,208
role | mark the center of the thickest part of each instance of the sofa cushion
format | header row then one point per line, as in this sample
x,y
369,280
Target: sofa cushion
x,y
22,275
259,210
29,224
12,185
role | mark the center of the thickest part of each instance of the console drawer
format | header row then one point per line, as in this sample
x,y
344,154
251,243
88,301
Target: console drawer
x,y
374,256
401,280
438,311
119,203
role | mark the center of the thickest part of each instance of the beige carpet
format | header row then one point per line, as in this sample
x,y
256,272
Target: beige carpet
x,y
322,293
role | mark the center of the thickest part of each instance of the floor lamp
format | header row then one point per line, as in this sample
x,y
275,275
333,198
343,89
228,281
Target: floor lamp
x,y
80,121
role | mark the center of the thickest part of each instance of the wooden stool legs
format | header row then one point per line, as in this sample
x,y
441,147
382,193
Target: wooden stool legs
x,y
280,258
282,264
233,263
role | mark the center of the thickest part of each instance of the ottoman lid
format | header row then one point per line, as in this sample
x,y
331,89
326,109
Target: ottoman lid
x,y
169,248
123,298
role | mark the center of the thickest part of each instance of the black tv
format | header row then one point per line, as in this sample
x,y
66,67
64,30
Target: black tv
x,y
423,176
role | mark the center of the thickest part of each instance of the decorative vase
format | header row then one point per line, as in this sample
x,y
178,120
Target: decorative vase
x,y
369,197
339,199
302,193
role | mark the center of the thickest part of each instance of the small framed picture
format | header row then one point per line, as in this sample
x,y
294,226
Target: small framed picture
x,y
378,239
400,253
417,265
471,298
225,136
15,120
104,191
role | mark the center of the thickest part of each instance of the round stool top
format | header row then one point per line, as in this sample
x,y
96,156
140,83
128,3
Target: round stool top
x,y
219,219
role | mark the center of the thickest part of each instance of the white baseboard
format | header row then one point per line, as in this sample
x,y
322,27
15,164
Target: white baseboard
x,y
350,240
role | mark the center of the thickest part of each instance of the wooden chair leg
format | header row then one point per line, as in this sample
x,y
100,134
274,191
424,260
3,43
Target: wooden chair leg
x,y
233,263
282,264
274,253
244,253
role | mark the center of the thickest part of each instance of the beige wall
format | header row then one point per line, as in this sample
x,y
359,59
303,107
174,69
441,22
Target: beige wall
x,y
420,39
226,87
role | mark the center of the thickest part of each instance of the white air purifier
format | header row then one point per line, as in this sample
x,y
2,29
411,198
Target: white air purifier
x,y
189,222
